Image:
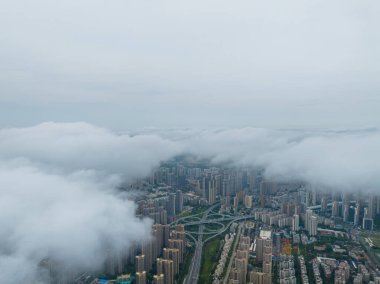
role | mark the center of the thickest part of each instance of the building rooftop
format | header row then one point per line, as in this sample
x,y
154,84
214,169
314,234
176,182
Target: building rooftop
x,y
265,234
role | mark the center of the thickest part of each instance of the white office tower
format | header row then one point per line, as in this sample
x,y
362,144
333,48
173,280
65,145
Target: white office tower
x,y
366,213
308,214
313,226
346,212
357,215
311,222
296,222
264,254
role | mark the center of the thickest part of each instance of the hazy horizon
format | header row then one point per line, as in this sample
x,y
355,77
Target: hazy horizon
x,y
96,94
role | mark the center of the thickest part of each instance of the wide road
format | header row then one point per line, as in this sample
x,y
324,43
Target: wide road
x,y
226,277
196,262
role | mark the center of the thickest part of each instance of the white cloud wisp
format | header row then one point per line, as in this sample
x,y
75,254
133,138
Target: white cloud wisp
x,y
59,200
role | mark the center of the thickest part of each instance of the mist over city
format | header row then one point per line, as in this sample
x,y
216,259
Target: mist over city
x,y
202,142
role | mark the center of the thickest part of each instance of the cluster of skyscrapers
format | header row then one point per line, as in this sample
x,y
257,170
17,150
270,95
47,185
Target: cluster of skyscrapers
x,y
263,249
165,250
239,271
286,269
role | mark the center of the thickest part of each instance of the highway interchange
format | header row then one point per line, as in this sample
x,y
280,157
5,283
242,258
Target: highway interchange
x,y
197,236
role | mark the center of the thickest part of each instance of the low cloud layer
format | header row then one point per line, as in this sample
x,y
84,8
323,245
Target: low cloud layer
x,y
65,218
81,146
58,197
339,159
57,181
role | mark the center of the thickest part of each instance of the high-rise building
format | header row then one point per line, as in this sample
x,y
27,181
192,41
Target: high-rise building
x,y
368,224
307,198
179,202
140,263
366,213
111,264
236,203
324,204
313,225
296,222
262,195
346,212
180,245
158,234
241,269
357,215
314,197
159,279
163,216
211,195
166,267
235,276
256,277
166,234
209,189
308,214
311,222
259,249
267,256
264,253
147,251
171,204
277,243
240,263
172,254
248,201
225,188
346,197
180,227
372,206
335,209
260,278
141,277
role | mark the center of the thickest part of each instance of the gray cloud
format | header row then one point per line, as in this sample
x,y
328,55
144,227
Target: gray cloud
x,y
201,64
59,199
81,146
65,219
337,159
58,181
165,63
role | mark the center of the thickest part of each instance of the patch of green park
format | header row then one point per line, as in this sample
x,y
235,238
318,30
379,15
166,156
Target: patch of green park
x,y
209,260
374,237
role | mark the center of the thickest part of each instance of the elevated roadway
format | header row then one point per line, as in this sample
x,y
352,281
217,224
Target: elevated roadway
x,y
197,237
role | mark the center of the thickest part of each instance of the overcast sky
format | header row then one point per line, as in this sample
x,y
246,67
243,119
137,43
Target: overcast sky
x,y
132,64
122,65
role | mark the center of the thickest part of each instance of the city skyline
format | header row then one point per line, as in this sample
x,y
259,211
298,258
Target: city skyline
x,y
200,142
94,162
